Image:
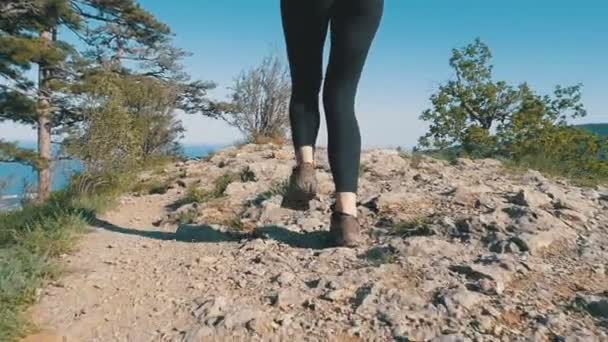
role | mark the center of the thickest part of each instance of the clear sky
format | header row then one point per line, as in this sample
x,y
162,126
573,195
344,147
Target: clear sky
x,y
544,42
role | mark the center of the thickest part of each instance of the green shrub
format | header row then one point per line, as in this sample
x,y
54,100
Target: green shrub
x,y
30,239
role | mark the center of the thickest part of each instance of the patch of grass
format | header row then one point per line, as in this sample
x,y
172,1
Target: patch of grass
x,y
187,217
590,176
247,175
195,194
233,222
222,182
32,237
151,187
30,240
277,187
420,226
381,255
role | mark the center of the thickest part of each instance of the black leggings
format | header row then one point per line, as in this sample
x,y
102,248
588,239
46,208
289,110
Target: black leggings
x,y
353,26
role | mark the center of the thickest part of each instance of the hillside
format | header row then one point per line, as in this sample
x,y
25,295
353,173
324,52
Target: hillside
x,y
466,251
597,128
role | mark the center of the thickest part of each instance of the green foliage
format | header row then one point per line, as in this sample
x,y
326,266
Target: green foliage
x,y
10,152
116,37
30,239
479,117
187,217
195,194
476,111
419,226
151,187
106,140
247,175
478,142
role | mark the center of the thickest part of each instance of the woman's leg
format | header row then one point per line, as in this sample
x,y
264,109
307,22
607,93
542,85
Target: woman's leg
x,y
305,28
353,26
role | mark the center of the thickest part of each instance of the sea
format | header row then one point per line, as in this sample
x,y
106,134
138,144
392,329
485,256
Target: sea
x,y
17,181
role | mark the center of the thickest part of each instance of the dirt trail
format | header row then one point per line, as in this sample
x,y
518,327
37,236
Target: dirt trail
x,y
452,252
129,279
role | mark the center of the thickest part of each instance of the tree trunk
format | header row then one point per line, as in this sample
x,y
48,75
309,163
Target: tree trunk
x,y
44,129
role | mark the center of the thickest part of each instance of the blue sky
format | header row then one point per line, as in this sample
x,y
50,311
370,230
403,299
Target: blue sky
x,y
543,42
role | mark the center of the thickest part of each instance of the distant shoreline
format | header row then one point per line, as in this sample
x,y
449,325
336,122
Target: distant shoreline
x,y
18,175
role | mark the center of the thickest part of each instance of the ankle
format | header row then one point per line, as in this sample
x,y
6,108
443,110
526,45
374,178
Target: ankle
x,y
305,155
346,202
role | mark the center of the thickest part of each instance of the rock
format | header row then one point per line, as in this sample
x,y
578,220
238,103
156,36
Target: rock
x,y
339,295
259,325
451,338
489,279
288,297
531,198
310,224
239,317
285,278
197,334
387,165
272,213
466,299
211,309
238,191
454,300
421,246
485,324
595,305
572,216
468,196
423,333
396,201
533,177
533,243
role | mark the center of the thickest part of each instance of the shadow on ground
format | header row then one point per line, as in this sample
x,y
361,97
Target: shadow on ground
x,y
313,240
206,233
184,233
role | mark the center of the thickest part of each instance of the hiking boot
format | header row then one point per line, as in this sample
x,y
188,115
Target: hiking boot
x,y
302,187
344,229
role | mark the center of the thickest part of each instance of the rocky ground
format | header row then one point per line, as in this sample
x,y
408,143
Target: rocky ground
x,y
460,251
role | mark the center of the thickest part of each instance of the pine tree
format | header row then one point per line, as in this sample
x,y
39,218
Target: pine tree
x,y
114,32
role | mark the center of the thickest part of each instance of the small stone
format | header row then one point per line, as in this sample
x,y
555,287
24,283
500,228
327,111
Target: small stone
x,y
485,324
285,278
285,319
489,286
239,317
449,338
531,198
288,297
595,305
211,309
339,295
259,326
572,216
197,334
